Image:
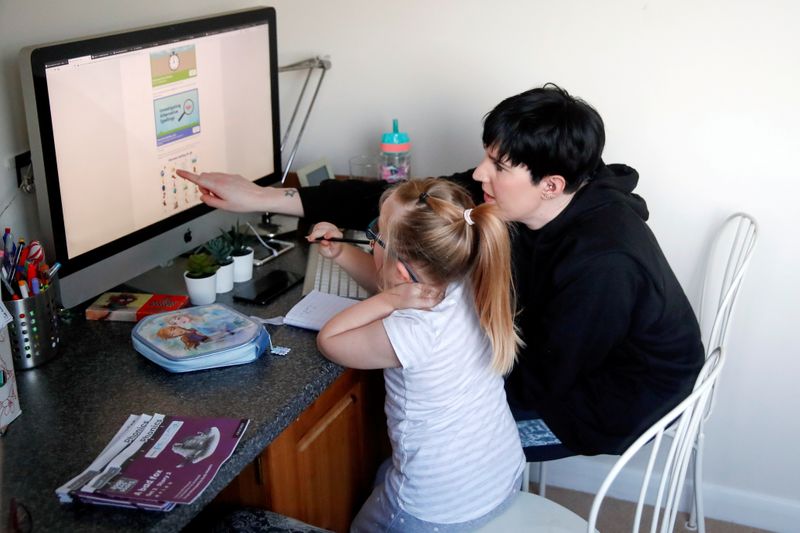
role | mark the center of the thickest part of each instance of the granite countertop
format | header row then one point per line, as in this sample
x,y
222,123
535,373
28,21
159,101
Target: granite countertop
x,y
73,405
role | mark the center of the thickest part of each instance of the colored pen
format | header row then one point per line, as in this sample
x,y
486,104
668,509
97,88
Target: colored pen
x,y
26,250
53,270
338,239
7,284
31,274
13,272
35,286
43,268
8,247
23,289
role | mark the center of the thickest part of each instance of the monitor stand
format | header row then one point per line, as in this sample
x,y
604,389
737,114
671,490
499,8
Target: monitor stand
x,y
168,278
165,279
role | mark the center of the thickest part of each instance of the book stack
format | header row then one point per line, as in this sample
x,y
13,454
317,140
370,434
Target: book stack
x,y
155,462
133,306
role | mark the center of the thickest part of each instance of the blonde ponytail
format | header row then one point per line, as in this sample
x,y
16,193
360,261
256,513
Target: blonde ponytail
x,y
443,234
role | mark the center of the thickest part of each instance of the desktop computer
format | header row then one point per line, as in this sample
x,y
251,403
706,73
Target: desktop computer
x,y
111,118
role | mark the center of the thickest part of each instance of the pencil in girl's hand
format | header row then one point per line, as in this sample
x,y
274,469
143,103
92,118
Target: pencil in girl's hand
x,y
339,239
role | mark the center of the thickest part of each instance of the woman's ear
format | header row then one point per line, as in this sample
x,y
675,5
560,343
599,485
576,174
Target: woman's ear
x,y
402,271
554,184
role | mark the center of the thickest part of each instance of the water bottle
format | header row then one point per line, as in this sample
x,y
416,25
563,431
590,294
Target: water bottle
x,y
395,155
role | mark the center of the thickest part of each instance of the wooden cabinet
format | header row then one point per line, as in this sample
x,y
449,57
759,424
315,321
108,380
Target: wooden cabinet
x,y
321,468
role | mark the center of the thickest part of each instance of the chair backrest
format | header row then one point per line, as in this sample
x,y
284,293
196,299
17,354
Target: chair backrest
x,y
727,261
685,420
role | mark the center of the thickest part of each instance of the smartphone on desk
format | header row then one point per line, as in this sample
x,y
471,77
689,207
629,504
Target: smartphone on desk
x,y
263,290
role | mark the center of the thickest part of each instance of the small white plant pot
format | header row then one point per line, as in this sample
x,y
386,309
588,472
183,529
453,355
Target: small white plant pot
x,y
243,267
225,278
201,291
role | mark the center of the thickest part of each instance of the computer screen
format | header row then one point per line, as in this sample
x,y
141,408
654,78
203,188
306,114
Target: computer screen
x,y
112,118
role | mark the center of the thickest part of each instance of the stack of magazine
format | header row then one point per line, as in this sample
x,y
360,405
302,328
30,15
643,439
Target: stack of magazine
x,y
156,461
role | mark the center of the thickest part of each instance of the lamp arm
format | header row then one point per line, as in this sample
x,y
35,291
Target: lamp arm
x,y
303,127
296,109
322,63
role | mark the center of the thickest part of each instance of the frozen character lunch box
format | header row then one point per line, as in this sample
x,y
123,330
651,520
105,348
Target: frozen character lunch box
x,y
197,338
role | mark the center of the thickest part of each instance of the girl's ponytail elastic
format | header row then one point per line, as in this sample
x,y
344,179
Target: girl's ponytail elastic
x,y
468,217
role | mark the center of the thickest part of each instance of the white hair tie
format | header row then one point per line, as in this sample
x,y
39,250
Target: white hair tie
x,y
467,216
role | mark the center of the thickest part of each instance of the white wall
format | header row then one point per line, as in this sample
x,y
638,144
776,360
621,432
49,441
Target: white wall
x,y
699,96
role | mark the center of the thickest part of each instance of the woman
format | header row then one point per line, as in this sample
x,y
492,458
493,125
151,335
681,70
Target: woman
x,y
611,341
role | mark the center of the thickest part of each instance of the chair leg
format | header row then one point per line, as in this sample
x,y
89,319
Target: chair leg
x,y
698,485
542,479
691,523
697,516
526,478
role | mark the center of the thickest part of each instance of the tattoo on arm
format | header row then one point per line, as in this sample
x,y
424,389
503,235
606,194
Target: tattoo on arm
x,y
290,192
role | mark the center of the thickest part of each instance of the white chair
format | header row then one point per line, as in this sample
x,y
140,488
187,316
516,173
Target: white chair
x,y
727,261
533,513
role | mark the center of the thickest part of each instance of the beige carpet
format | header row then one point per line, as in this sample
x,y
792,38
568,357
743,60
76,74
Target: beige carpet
x,y
616,516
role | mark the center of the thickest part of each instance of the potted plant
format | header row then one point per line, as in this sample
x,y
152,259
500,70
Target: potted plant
x,y
221,250
201,278
241,253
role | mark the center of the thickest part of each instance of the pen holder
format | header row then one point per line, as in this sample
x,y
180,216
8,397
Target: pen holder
x,y
34,331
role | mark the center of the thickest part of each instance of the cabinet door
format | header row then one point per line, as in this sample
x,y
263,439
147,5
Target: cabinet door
x,y
321,468
326,464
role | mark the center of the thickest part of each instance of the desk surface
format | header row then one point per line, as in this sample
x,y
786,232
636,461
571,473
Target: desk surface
x,y
73,405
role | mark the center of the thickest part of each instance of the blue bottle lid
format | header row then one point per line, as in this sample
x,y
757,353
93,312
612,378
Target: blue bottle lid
x,y
395,140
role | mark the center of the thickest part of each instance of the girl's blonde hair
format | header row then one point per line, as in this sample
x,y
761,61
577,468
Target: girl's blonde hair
x,y
431,232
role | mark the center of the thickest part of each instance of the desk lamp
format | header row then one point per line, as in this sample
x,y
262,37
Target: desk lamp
x,y
321,64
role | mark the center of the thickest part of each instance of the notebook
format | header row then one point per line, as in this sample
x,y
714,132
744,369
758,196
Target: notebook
x,y
315,309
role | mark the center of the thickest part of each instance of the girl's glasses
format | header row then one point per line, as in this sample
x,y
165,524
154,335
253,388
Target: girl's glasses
x,y
374,236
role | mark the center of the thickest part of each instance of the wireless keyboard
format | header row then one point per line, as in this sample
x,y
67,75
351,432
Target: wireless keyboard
x,y
325,275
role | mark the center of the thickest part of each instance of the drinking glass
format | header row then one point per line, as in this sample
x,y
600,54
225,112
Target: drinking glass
x,y
364,167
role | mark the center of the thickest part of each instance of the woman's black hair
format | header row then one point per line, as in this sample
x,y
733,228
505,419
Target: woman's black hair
x,y
548,131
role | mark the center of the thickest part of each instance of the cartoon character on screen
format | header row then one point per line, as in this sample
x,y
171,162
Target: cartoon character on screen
x,y
190,337
197,447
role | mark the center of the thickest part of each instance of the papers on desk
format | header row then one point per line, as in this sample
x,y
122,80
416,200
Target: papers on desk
x,y
315,309
155,462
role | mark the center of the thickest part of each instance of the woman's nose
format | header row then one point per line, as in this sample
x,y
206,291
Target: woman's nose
x,y
478,174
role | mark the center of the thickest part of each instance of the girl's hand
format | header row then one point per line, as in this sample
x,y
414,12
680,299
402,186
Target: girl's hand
x,y
413,296
326,230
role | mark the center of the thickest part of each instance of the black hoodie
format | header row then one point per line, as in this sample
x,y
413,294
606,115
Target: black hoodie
x,y
612,343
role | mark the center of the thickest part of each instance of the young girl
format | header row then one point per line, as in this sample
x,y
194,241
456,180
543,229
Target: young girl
x,y
457,459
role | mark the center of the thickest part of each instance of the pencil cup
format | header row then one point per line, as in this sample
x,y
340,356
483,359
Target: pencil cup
x,y
34,331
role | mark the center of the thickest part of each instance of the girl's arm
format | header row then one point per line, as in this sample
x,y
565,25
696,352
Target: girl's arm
x,y
355,337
